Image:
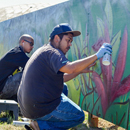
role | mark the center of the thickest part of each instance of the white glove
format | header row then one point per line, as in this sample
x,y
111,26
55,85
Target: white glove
x,y
105,48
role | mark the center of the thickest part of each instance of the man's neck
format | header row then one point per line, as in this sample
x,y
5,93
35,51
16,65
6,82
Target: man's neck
x,y
53,44
22,48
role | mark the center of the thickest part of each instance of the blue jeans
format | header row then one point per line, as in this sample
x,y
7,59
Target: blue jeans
x,y
65,89
66,115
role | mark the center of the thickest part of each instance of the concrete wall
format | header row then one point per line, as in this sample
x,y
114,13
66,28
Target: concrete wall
x,y
104,91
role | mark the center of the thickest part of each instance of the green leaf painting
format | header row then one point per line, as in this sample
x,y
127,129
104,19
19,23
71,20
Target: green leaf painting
x,y
108,11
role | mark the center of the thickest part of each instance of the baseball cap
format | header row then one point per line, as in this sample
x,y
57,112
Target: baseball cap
x,y
63,28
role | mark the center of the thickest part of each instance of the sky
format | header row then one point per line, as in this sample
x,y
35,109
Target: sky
x,y
6,3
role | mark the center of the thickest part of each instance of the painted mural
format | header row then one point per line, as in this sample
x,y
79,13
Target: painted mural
x,y
105,90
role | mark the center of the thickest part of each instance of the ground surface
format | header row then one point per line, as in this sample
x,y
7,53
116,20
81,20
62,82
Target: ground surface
x,y
102,125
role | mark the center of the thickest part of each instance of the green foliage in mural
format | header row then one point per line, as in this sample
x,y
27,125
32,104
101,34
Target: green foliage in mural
x,y
97,90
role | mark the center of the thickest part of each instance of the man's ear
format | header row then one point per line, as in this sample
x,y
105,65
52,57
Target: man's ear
x,y
56,38
21,43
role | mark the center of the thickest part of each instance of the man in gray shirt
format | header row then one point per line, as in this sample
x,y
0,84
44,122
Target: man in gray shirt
x,y
40,94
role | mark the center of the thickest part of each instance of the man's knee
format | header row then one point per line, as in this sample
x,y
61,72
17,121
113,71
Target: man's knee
x,y
82,115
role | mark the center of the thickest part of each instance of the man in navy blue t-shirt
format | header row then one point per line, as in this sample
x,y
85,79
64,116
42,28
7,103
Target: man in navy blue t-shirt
x,y
10,63
40,93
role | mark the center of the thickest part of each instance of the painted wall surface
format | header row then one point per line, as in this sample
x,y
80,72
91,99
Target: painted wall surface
x,y
105,91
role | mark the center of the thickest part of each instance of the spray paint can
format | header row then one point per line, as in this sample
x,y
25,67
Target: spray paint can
x,y
106,59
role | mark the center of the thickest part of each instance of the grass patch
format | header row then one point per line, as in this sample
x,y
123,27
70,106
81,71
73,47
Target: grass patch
x,y
102,124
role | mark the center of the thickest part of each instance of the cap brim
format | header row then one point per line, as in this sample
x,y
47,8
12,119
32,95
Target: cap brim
x,y
75,33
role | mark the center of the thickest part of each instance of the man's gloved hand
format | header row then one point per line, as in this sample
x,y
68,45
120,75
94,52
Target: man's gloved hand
x,y
105,48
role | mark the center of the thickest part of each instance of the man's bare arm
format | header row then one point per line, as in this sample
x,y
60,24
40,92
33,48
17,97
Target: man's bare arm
x,y
68,77
78,65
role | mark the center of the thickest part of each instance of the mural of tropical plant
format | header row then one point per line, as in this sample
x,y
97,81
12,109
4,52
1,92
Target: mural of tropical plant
x,y
110,85
103,90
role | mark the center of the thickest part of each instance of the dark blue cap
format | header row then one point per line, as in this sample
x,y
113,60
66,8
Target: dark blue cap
x,y
63,28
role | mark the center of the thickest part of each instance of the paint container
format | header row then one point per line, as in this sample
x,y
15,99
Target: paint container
x,y
106,59
20,123
25,119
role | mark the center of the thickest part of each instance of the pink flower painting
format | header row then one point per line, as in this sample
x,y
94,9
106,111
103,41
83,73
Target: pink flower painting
x,y
111,87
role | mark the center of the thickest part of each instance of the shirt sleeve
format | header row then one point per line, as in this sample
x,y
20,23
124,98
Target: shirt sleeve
x,y
58,60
